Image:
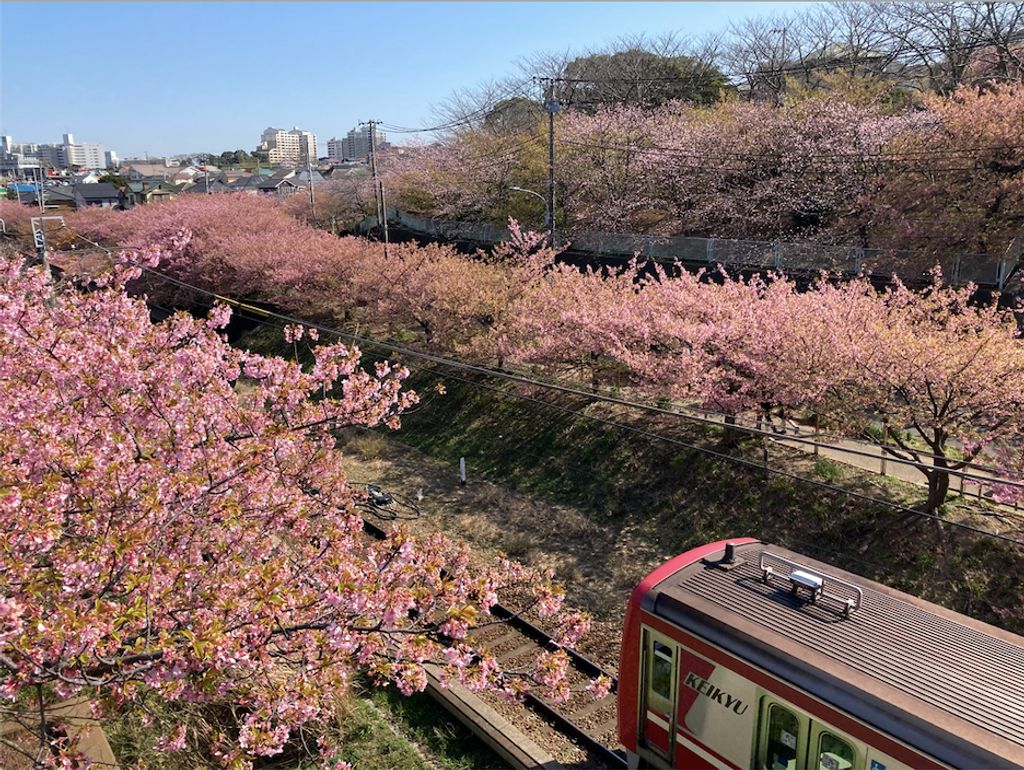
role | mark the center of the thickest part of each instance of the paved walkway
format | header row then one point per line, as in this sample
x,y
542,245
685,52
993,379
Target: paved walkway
x,y
870,457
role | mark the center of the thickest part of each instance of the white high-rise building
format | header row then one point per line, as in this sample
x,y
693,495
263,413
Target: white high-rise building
x,y
67,154
18,159
295,146
82,155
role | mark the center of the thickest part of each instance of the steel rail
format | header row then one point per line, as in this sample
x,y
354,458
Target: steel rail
x,y
594,747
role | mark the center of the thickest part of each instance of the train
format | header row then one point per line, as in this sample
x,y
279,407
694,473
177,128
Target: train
x,y
742,654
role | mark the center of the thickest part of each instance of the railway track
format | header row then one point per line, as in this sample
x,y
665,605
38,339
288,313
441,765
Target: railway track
x,y
588,723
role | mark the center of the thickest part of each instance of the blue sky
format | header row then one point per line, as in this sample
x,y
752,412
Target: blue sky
x,y
171,77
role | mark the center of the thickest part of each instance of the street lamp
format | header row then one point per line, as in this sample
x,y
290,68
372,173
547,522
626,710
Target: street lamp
x,y
547,208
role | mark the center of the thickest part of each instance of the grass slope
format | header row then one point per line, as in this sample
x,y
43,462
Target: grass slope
x,y
635,472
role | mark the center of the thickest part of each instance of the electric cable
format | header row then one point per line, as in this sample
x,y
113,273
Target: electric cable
x,y
574,389
503,375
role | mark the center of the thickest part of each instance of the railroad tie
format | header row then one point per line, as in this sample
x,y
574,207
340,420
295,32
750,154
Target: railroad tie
x,y
511,744
607,726
605,702
517,652
508,636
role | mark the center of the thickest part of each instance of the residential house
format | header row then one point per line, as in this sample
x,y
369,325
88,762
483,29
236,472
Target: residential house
x,y
85,177
186,175
247,184
97,194
282,187
202,186
60,197
21,191
349,168
151,190
136,172
303,177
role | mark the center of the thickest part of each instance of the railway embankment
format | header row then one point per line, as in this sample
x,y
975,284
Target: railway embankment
x,y
637,488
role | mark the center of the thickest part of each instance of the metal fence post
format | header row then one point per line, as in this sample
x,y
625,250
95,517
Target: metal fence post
x,y
710,250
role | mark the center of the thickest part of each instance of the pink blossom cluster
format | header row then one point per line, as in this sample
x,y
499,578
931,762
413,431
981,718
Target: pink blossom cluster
x,y
730,345
860,166
177,523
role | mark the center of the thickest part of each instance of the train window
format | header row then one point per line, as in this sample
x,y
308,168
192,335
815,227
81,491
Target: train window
x,y
661,671
834,753
782,738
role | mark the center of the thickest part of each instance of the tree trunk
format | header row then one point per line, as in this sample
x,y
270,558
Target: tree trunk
x,y
938,485
732,436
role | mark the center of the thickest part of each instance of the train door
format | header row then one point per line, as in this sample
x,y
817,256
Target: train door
x,y
659,686
788,739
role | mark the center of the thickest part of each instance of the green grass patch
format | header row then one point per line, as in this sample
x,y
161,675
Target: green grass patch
x,y
827,470
677,496
376,728
449,743
689,485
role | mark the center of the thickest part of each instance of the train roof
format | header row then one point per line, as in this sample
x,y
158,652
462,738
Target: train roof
x,y
895,661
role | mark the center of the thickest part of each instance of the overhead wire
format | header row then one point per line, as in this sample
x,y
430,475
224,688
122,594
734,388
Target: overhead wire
x,y
710,417
740,461
446,362
771,69
622,427
507,92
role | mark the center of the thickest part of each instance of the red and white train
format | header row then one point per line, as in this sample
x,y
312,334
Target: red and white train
x,y
740,654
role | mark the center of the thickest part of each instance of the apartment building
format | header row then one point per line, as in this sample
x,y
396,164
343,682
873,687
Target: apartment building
x,y
336,149
73,154
356,145
295,146
67,154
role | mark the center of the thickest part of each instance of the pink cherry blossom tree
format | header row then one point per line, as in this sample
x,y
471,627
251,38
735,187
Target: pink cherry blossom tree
x,y
943,374
17,217
177,522
575,322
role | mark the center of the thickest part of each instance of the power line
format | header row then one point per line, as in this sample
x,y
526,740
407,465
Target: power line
x,y
741,461
439,371
805,545
864,158
520,379
802,67
668,439
515,88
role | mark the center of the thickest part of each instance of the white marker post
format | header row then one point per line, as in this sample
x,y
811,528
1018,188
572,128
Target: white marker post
x,y
462,471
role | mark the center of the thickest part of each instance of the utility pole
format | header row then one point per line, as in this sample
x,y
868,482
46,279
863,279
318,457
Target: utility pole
x,y
378,186
373,168
41,239
552,106
312,195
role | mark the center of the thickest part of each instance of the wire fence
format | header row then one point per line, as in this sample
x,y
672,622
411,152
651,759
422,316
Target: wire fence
x,y
792,257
